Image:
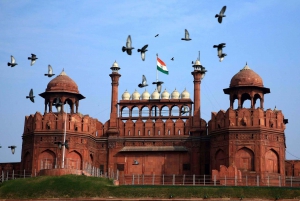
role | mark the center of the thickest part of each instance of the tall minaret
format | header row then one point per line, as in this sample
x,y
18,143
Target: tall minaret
x,y
115,76
198,74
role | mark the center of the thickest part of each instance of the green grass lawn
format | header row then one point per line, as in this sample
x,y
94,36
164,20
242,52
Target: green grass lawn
x,y
69,186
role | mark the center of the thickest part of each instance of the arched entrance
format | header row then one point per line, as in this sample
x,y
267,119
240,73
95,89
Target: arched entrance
x,y
272,161
244,159
47,160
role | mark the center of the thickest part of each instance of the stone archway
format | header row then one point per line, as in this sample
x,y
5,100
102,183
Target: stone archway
x,y
47,160
74,160
219,159
244,159
272,161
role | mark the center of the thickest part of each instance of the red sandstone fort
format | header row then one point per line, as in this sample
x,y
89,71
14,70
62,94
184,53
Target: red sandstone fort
x,y
157,134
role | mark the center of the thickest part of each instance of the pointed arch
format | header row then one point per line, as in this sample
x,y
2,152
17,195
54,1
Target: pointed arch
x,y
272,161
46,160
74,160
244,159
219,159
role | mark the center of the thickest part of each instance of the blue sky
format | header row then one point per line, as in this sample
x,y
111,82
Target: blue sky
x,y
86,37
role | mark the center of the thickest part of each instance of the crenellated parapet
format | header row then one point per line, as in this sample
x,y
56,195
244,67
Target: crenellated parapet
x,y
247,117
55,123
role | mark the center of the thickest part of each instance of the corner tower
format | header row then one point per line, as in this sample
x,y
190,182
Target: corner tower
x,y
252,139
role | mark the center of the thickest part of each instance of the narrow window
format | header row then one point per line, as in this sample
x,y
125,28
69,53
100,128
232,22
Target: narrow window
x,y
129,132
148,132
159,132
168,132
96,133
139,132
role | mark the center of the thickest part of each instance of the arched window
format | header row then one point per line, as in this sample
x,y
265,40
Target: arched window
x,y
175,111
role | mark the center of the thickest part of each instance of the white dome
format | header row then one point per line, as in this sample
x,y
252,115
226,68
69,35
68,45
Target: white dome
x,y
165,95
126,95
115,64
185,94
146,95
197,62
175,94
136,95
155,95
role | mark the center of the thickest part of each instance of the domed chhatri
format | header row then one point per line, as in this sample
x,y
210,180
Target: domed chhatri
x,y
155,94
126,95
145,95
246,77
175,94
136,95
185,94
165,94
62,83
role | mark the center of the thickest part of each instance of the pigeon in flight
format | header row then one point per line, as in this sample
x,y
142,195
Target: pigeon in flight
x,y
128,47
33,58
172,58
221,14
158,85
220,47
144,82
186,35
156,35
185,109
31,96
222,57
50,71
143,51
12,61
57,102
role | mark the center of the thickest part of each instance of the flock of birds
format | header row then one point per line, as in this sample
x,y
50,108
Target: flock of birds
x,y
128,48
32,59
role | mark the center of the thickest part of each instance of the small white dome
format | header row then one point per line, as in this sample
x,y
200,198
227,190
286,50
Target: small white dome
x,y
165,95
197,62
175,94
145,95
136,95
115,64
155,95
126,95
185,94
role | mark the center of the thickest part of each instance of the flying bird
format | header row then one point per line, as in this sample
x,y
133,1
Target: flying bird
x,y
186,35
57,102
172,58
128,47
156,35
143,51
158,85
12,61
222,57
31,96
33,58
220,47
144,82
185,109
50,71
221,14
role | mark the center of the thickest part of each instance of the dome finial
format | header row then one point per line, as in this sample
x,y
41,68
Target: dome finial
x,y
63,72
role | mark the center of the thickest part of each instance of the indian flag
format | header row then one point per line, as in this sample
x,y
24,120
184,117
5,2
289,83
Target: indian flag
x,y
161,66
